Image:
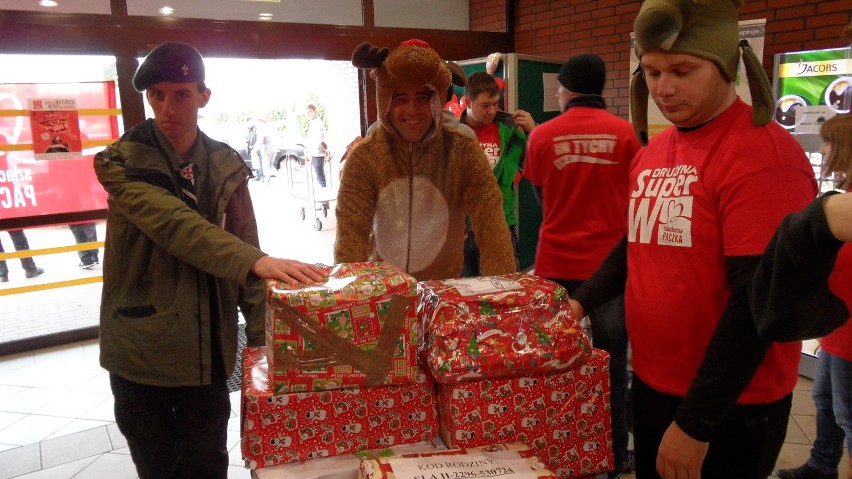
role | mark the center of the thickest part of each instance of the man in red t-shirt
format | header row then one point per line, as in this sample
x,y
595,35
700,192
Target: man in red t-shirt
x,y
579,163
710,398
502,138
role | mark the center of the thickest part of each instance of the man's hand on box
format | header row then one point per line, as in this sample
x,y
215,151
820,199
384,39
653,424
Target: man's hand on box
x,y
288,270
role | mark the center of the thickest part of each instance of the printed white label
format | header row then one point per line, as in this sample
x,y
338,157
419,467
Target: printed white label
x,y
483,285
503,464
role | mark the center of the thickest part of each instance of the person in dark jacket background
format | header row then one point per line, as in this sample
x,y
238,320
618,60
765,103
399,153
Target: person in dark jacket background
x,y
803,288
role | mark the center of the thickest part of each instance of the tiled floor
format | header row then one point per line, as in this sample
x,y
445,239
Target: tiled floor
x,y
56,420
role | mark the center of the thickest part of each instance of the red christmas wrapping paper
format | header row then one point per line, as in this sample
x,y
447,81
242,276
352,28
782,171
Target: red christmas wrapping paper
x,y
356,329
563,416
497,326
514,460
277,429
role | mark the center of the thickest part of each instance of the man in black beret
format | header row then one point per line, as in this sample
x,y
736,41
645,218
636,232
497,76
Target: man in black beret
x,y
181,253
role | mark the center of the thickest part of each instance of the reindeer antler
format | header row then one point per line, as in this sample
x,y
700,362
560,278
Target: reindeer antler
x,y
368,56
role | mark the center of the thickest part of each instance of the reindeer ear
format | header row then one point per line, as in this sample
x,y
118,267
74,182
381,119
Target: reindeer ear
x,y
367,56
458,76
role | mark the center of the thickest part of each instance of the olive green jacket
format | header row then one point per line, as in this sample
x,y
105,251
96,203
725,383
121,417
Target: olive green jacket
x,y
161,258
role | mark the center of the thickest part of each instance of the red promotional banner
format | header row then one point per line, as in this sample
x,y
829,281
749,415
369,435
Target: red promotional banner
x,y
31,187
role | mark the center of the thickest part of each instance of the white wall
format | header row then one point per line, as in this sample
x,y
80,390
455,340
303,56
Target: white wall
x,y
435,14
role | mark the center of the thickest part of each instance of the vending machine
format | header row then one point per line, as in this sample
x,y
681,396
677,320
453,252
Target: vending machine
x,y
811,87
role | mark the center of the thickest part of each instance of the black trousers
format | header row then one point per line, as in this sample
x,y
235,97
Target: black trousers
x,y
745,446
175,433
470,263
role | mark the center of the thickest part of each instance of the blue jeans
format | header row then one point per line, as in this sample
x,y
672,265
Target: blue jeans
x,y
610,334
86,233
319,169
832,393
260,161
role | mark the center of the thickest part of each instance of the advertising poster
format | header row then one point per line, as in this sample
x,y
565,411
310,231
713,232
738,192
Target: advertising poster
x,y
56,129
752,30
30,187
812,84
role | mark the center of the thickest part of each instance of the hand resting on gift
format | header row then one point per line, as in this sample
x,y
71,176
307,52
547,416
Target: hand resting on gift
x,y
288,270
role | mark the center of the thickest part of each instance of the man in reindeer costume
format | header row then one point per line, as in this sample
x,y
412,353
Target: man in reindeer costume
x,y
406,188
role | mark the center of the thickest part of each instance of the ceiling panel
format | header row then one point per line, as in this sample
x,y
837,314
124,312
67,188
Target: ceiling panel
x,y
329,12
64,6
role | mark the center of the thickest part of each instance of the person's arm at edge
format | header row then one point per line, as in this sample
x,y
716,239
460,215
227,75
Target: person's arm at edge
x,y
608,282
242,222
838,213
730,361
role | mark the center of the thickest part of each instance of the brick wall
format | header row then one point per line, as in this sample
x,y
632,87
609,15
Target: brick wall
x,y
562,28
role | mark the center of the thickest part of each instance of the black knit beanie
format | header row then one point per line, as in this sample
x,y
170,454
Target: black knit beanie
x,y
584,74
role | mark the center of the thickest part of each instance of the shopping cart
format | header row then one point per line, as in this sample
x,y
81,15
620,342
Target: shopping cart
x,y
302,185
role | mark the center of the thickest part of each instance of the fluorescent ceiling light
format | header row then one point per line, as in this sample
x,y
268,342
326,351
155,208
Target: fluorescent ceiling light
x,y
265,17
167,10
48,3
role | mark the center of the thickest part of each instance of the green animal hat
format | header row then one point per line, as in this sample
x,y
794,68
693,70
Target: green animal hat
x,y
704,28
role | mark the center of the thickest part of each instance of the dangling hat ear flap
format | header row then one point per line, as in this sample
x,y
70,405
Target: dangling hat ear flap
x,y
758,86
639,105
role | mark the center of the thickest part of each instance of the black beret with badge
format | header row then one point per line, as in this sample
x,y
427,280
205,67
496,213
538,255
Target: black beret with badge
x,y
170,62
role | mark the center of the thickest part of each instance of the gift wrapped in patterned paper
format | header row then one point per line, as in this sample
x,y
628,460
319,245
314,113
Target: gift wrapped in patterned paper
x,y
293,427
563,416
355,329
514,460
497,326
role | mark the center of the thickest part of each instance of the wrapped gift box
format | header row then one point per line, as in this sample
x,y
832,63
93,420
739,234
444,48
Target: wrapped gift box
x,y
342,467
498,460
356,329
499,326
277,429
563,416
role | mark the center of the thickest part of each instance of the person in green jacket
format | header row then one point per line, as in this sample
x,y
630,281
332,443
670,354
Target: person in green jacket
x,y
504,142
181,256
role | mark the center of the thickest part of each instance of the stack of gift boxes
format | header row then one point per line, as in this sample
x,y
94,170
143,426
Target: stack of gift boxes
x,y
371,359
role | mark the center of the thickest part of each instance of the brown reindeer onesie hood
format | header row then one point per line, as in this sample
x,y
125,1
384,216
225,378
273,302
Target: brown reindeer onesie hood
x,y
405,203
